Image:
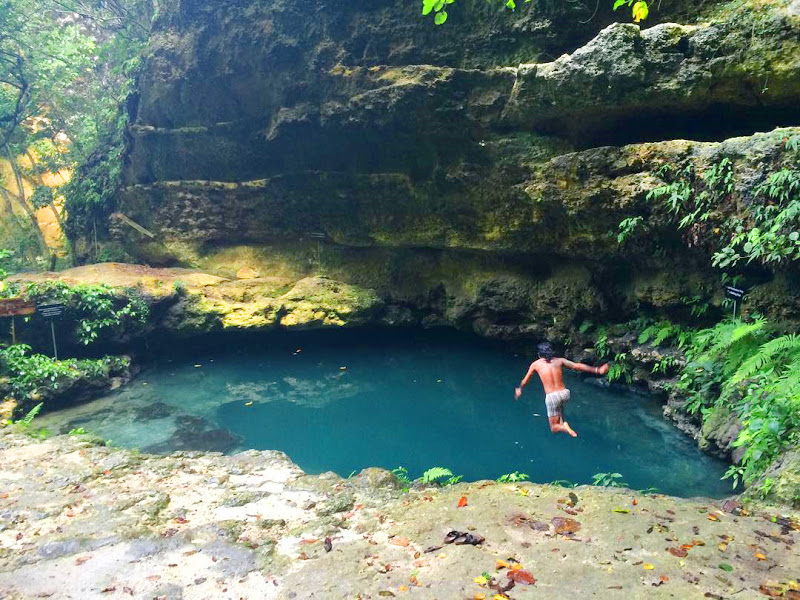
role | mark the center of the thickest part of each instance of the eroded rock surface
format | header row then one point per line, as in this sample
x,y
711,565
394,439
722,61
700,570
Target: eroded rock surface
x,y
81,520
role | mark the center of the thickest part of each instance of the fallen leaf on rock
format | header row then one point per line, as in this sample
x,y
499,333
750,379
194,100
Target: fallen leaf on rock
x,y
307,541
648,566
760,556
725,567
722,546
679,552
713,596
635,502
614,587
432,549
773,590
399,541
108,590
82,559
624,511
181,520
573,497
540,525
302,556
712,517
501,564
327,544
462,502
664,578
565,525
698,542
403,588
652,581
521,576
478,596
153,577
386,594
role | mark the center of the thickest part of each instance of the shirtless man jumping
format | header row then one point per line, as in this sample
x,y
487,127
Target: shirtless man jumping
x,y
556,395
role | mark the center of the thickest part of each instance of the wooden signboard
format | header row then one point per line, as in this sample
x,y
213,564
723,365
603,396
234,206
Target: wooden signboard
x,y
10,307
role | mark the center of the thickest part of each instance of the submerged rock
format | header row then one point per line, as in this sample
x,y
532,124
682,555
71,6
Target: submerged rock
x,y
196,433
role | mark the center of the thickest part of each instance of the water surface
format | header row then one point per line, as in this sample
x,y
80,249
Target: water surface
x,y
343,401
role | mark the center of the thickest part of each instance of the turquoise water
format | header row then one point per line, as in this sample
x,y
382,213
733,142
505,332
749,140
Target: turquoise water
x,y
343,401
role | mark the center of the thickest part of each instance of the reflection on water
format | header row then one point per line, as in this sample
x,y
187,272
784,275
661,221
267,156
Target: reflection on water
x,y
418,400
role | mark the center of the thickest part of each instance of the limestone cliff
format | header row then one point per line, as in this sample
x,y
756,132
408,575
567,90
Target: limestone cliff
x,y
451,170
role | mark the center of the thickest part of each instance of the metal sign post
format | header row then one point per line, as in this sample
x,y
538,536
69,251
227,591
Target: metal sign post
x,y
51,312
11,307
735,294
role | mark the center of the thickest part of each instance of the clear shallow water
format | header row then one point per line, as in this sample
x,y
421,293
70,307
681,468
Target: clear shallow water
x,y
347,400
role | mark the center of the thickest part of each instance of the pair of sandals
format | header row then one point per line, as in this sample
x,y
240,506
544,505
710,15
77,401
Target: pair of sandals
x,y
459,538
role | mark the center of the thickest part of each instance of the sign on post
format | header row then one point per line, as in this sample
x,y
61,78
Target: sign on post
x,y
11,307
735,294
51,312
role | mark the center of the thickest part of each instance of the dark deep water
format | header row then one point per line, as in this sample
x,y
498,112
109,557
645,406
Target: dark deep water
x,y
343,401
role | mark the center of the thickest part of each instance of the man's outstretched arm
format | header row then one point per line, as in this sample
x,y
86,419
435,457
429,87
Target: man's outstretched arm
x,y
524,382
584,368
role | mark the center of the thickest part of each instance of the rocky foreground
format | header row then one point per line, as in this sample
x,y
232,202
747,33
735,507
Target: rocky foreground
x,y
82,520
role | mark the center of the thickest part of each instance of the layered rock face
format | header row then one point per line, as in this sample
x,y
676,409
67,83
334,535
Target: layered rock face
x,y
463,173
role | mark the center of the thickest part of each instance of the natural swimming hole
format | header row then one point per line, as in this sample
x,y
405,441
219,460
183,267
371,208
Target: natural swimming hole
x,y
343,401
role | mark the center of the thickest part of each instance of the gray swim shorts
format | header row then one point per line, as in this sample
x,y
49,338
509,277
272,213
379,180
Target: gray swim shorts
x,y
554,402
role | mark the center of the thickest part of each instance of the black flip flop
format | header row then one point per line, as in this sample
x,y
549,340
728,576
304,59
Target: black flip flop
x,y
452,537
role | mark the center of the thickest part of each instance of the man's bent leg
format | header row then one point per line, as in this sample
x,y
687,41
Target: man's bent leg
x,y
557,424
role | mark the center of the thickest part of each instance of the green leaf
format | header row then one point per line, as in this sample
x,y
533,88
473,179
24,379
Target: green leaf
x,y
794,236
440,17
726,567
618,3
640,11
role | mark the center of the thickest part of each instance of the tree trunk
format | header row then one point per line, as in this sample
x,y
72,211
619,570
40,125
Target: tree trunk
x,y
24,201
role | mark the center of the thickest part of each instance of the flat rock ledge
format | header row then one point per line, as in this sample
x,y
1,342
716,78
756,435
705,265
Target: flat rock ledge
x,y
82,520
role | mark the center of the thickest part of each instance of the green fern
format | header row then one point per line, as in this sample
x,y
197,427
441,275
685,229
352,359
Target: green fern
x,y
766,357
28,419
433,474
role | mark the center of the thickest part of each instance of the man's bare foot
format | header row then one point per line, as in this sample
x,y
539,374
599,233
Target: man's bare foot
x,y
570,430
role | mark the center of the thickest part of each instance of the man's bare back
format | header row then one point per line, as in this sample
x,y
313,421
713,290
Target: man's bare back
x,y
549,369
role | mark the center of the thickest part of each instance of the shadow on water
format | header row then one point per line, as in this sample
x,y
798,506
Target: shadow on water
x,y
343,401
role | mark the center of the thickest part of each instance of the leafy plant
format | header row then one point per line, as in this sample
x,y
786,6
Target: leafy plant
x,y
29,374
628,227
608,480
513,477
664,365
94,309
434,474
620,368
639,8
77,431
401,473
565,483
601,343
28,418
744,367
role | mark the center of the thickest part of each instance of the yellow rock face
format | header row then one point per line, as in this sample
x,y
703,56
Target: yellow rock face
x,y
201,302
